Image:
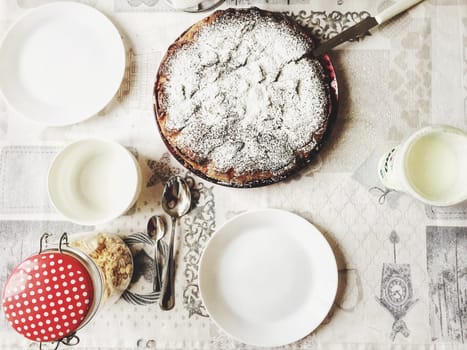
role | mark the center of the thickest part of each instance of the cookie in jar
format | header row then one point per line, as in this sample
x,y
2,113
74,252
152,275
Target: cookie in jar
x,y
113,258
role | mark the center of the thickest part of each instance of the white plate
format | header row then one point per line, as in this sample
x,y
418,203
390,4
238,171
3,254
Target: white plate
x,y
61,63
268,278
93,181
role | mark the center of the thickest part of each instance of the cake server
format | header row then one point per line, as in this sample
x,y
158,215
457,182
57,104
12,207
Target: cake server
x,y
364,26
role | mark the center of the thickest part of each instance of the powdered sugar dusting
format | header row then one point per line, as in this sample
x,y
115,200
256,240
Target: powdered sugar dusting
x,y
245,95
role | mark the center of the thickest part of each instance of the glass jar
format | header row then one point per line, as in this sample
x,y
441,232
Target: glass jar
x,y
49,296
112,256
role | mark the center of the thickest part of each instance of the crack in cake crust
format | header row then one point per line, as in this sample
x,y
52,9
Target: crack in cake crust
x,y
240,99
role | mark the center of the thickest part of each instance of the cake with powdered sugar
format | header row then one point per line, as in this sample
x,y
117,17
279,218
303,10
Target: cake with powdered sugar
x,y
240,100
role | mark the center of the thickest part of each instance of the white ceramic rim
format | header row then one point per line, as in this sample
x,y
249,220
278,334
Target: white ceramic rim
x,y
314,323
121,57
116,214
405,147
207,5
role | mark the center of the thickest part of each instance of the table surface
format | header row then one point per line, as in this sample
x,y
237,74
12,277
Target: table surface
x,y
402,265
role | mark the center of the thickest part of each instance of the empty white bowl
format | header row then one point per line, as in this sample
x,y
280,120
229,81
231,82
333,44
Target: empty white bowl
x,y
94,181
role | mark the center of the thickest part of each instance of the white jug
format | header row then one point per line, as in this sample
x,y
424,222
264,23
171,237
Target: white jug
x,y
431,165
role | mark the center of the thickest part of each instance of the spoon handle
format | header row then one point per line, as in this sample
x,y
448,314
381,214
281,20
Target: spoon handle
x,y
167,300
156,283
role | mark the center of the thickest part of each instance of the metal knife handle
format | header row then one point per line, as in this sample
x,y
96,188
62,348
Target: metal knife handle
x,y
357,29
395,9
167,300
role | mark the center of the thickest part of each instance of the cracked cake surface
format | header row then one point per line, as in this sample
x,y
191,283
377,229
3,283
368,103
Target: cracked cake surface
x,y
240,99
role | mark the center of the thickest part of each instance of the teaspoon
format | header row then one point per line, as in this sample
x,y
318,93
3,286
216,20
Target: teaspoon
x,y
176,201
156,230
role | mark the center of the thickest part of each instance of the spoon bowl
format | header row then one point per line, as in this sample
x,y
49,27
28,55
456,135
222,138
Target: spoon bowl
x,y
176,198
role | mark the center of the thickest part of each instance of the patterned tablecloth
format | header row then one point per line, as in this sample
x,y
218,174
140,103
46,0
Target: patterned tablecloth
x,y
402,265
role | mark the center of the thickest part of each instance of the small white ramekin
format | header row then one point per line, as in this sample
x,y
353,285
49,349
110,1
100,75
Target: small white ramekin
x,y
93,181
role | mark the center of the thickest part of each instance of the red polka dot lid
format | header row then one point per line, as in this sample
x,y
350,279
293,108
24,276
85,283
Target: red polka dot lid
x,y
48,296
